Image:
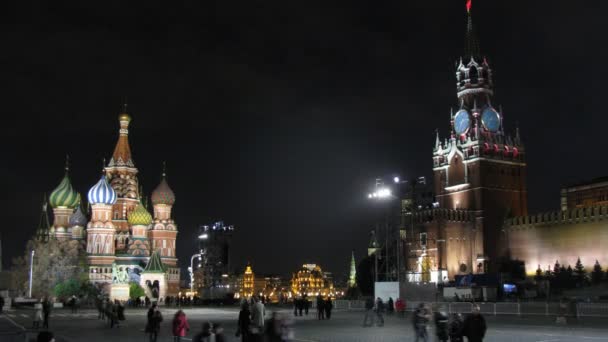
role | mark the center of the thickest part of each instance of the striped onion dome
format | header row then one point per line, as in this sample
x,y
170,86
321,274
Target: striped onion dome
x,y
64,195
139,216
163,193
102,193
78,218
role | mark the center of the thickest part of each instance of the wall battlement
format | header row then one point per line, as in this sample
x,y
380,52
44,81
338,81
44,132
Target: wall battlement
x,y
577,215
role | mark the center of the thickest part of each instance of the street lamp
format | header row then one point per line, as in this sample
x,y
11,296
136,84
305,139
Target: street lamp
x,y
31,272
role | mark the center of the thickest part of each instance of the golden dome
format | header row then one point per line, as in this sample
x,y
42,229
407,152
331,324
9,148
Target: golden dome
x,y
124,117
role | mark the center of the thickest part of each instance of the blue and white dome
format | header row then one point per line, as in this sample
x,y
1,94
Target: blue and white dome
x,y
102,193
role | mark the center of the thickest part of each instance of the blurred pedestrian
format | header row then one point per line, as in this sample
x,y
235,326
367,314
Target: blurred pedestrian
x,y
320,308
206,335
474,327
244,322
306,304
421,319
257,320
180,326
154,320
441,326
218,332
38,317
46,312
273,328
369,310
455,328
328,306
1,304
379,312
400,307
390,306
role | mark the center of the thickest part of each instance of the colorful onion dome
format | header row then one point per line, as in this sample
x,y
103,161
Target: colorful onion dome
x,y
78,218
102,193
163,193
139,216
64,195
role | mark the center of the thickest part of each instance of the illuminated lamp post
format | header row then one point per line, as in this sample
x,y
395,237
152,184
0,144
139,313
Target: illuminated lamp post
x,y
31,272
203,236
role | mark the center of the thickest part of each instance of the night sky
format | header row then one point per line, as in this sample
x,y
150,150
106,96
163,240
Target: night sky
x,y
276,116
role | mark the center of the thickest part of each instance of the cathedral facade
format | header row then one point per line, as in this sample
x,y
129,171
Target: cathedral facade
x,y
479,172
124,242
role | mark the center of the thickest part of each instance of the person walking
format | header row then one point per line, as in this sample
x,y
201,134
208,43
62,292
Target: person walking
x,y
379,312
390,306
474,327
1,304
328,305
113,314
455,328
369,308
273,328
320,308
244,322
400,307
441,326
257,320
306,303
218,332
154,320
421,319
37,316
46,312
180,326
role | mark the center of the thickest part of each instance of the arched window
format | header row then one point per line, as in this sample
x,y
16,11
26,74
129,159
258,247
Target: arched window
x,y
473,75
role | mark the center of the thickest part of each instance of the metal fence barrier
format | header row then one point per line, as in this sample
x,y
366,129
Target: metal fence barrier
x,y
515,309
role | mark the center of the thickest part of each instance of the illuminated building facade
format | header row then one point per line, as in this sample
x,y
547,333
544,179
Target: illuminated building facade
x,y
121,235
310,280
248,287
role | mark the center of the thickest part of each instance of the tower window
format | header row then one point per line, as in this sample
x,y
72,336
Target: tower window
x,y
473,75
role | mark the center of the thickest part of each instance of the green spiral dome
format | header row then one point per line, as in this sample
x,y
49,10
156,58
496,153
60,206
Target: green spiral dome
x,y
64,195
140,216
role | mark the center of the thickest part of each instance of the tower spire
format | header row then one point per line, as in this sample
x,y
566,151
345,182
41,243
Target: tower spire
x,y
67,163
122,151
471,42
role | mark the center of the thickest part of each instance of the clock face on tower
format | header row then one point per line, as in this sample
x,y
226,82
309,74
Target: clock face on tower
x,y
462,122
490,119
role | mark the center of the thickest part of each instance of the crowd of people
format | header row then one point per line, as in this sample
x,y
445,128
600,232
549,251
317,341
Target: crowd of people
x,y
451,328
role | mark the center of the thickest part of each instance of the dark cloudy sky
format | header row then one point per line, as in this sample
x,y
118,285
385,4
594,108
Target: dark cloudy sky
x,y
276,116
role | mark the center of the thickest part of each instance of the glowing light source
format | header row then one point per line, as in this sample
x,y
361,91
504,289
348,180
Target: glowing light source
x,y
396,179
203,236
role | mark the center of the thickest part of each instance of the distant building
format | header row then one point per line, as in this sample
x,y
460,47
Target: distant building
x,y
214,266
585,194
310,280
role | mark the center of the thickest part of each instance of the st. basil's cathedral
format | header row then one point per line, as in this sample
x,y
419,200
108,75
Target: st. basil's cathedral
x,y
123,241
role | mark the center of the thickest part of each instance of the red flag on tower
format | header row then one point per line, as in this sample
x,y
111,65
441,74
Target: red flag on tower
x,y
469,6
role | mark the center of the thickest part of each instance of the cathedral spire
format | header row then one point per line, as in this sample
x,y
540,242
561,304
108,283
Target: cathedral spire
x,y
122,151
42,233
352,277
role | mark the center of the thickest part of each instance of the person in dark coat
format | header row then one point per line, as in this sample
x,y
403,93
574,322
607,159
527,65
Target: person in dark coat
x,y
474,327
46,312
328,305
153,325
306,304
1,304
45,336
205,335
295,306
320,307
455,328
379,312
420,319
369,308
441,326
218,331
390,306
244,322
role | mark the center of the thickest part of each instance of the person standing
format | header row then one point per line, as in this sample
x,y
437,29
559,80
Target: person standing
x,y
1,304
218,332
273,328
46,312
244,322
206,335
257,320
421,319
369,308
306,304
474,327
379,312
390,306
320,308
154,320
328,305
400,307
180,326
